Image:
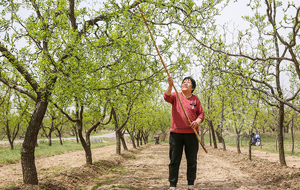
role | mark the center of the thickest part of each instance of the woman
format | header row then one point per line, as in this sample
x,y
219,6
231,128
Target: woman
x,y
182,134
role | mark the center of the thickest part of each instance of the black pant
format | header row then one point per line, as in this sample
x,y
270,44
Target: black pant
x,y
191,145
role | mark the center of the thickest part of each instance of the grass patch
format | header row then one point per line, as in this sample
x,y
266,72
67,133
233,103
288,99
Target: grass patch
x,y
126,187
57,168
115,168
268,141
93,134
102,183
9,156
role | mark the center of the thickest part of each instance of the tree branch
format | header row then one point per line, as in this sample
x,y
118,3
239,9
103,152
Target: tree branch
x,y
66,114
18,89
19,67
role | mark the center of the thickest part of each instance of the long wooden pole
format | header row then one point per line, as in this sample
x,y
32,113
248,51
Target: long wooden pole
x,y
169,76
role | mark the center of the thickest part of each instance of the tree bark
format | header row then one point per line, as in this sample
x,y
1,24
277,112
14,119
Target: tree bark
x,y
123,141
11,142
220,138
210,136
250,145
49,138
85,143
133,142
118,143
210,123
28,146
292,132
59,136
131,133
137,142
202,135
238,142
76,133
280,135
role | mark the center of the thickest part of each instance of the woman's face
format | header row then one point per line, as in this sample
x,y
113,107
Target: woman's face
x,y
187,86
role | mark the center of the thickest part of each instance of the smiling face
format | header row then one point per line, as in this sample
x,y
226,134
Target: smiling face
x,y
187,86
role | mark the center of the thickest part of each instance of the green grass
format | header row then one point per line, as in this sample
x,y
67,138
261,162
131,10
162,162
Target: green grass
x,y
126,187
11,156
268,141
54,137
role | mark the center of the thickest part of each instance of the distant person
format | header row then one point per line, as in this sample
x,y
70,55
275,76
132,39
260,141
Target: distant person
x,y
156,139
182,134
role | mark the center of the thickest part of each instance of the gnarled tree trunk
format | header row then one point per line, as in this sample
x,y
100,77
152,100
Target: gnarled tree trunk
x,y
28,147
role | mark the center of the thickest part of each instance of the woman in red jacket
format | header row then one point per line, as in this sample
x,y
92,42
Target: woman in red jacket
x,y
182,134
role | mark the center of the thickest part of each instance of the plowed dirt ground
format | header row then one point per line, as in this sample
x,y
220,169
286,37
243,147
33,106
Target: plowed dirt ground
x,y
147,168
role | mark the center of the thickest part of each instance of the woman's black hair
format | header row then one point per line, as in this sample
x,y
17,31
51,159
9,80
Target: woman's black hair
x,y
192,80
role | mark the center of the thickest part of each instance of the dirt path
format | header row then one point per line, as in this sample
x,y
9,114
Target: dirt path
x,y
291,161
147,168
150,171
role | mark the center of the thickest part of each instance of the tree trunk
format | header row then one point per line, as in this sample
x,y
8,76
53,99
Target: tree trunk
x,y
202,135
131,133
88,151
292,132
238,144
133,142
85,144
11,145
137,142
141,140
123,142
221,125
145,139
49,138
210,137
28,146
11,142
220,138
138,137
76,133
118,143
280,134
224,145
210,123
59,136
250,145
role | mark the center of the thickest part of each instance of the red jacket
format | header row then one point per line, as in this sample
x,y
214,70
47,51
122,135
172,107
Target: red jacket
x,y
193,108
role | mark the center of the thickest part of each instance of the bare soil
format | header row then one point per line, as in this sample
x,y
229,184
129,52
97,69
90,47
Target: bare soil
x,y
147,168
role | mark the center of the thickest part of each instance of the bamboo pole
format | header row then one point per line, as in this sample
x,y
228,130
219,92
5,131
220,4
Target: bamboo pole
x,y
170,76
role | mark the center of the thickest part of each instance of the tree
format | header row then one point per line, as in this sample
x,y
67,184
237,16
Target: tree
x,y
54,121
263,54
78,118
149,116
122,109
60,128
56,43
13,114
33,65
